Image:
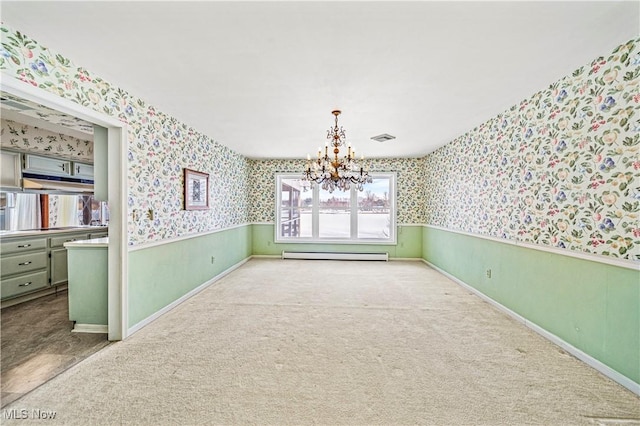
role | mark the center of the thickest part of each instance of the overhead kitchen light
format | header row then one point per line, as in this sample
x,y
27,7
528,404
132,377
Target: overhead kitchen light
x,y
383,137
11,104
35,184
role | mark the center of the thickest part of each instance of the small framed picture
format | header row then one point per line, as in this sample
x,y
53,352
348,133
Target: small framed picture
x,y
196,190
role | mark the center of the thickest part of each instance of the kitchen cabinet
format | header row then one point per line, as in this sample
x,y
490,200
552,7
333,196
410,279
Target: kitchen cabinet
x,y
21,245
58,256
20,284
30,264
23,266
59,272
83,171
10,173
46,165
23,262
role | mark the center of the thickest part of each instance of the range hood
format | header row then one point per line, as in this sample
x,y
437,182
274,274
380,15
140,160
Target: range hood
x,y
48,184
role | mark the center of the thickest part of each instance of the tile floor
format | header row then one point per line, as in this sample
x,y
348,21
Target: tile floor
x,y
37,344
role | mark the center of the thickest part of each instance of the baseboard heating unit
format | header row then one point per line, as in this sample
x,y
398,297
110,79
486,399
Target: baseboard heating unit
x,y
334,255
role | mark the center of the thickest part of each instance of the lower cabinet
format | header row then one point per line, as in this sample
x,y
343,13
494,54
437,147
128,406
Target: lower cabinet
x,y
24,283
24,266
58,257
59,272
30,264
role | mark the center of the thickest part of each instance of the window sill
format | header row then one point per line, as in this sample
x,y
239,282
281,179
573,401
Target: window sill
x,y
344,242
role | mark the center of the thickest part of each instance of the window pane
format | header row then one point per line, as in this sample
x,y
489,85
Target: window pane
x,y
293,223
334,214
374,214
316,215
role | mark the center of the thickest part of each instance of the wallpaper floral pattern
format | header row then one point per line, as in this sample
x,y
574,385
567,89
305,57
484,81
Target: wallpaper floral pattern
x,y
409,186
560,169
160,146
31,109
20,137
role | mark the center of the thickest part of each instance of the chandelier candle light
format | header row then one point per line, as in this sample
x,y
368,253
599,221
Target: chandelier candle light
x,y
337,172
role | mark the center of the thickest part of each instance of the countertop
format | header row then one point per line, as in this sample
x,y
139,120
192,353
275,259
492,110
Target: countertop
x,y
45,232
96,242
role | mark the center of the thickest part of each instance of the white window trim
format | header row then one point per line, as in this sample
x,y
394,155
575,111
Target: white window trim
x,y
392,240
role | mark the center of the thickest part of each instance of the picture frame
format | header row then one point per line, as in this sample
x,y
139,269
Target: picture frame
x,y
196,190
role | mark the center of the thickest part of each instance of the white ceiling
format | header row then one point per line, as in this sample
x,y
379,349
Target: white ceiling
x,y
263,77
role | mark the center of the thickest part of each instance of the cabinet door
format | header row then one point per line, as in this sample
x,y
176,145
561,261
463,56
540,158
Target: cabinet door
x,y
10,169
83,171
59,273
49,166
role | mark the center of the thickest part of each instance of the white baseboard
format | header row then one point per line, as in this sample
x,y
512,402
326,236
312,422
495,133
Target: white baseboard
x,y
188,295
90,328
582,356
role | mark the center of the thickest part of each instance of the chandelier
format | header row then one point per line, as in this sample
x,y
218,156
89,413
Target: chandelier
x,y
333,172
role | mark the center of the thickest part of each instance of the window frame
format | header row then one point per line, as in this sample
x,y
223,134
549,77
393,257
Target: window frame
x,y
353,228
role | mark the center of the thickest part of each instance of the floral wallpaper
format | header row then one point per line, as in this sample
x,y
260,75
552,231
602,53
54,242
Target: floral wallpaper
x,y
20,137
560,169
27,108
409,186
160,146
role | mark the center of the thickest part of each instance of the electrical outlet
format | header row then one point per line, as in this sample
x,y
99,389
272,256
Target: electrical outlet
x,y
488,273
213,259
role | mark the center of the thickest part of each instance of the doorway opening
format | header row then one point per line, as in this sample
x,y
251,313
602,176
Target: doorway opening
x,y
111,170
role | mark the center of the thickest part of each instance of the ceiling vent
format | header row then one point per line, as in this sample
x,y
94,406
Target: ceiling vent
x,y
383,137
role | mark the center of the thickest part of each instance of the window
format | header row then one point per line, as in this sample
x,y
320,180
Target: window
x,y
311,214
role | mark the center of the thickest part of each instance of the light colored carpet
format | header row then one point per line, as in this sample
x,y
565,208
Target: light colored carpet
x,y
329,342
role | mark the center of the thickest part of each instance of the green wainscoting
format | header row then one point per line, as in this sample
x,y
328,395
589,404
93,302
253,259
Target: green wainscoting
x,y
591,305
409,243
159,275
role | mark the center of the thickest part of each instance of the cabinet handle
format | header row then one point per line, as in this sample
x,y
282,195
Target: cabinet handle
x,y
24,263
25,284
78,170
24,246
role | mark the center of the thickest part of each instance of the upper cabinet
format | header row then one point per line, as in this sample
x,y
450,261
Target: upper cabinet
x,y
10,170
83,171
47,166
56,167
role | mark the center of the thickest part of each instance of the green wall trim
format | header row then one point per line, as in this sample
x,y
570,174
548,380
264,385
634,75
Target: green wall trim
x,y
409,244
592,257
162,274
592,306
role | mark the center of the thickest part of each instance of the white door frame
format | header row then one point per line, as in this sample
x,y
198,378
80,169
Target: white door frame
x,y
117,148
